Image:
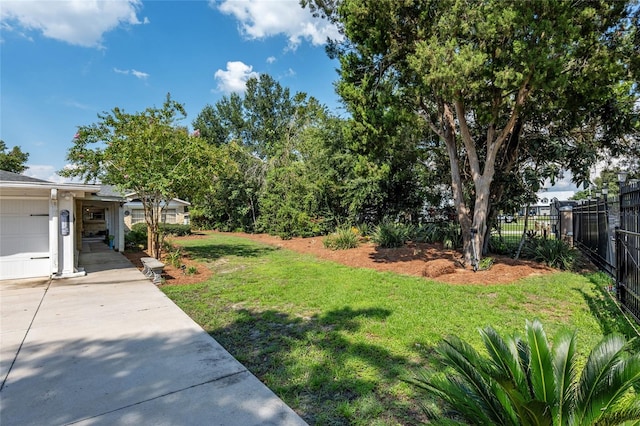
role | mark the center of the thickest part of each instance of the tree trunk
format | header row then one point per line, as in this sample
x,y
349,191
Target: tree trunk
x,y
462,210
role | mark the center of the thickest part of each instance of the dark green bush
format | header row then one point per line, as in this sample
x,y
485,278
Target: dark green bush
x,y
137,237
175,229
499,245
552,252
391,234
438,232
424,233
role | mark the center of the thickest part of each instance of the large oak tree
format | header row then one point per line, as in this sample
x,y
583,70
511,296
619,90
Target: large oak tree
x,y
482,76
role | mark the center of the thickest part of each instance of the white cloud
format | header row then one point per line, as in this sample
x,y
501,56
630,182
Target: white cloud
x,y
234,79
271,59
77,22
563,182
139,74
261,19
75,104
48,173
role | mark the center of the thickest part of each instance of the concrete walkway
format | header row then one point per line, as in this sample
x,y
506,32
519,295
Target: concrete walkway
x,y
111,349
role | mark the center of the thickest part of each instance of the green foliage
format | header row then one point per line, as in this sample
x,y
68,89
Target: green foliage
x,y
485,263
175,229
447,233
14,160
364,230
173,257
499,245
555,253
146,153
191,270
524,380
391,234
343,238
514,92
294,203
137,237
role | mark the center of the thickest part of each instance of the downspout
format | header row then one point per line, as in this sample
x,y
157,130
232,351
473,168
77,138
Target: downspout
x,y
53,232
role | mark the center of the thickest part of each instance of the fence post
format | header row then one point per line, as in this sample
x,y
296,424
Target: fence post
x,y
566,224
618,236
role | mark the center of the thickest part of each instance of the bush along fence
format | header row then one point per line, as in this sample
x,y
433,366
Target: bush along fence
x,y
608,232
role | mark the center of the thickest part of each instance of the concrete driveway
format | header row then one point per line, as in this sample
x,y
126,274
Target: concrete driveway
x,y
110,348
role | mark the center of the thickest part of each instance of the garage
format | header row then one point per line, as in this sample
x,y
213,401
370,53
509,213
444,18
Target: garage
x,y
24,246
38,235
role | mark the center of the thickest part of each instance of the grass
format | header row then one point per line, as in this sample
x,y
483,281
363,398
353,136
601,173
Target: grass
x,y
335,342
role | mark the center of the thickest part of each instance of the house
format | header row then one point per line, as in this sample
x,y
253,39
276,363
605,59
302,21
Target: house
x,y
42,225
177,211
546,199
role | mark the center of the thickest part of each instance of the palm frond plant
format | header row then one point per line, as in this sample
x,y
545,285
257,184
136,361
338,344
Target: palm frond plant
x,y
526,381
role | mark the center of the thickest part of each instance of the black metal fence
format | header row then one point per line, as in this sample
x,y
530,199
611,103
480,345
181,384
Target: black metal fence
x,y
608,232
628,249
511,227
594,227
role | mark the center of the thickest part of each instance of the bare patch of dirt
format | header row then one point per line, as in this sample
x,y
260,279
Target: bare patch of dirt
x,y
432,261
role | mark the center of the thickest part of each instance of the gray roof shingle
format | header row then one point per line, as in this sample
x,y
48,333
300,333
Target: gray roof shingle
x,y
6,176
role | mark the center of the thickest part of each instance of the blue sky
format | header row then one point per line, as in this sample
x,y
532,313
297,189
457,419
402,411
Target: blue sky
x,y
63,62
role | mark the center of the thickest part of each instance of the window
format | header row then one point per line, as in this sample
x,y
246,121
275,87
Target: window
x,y
169,216
93,214
137,216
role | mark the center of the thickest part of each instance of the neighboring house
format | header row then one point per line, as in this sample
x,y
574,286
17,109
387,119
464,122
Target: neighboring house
x,y
175,212
42,225
545,199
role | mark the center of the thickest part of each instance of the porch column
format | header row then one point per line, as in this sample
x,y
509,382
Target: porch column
x,y
119,242
66,234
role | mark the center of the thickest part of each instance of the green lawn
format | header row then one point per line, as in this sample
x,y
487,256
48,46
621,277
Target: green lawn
x,y
335,342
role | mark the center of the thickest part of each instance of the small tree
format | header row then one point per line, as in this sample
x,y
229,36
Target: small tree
x,y
145,153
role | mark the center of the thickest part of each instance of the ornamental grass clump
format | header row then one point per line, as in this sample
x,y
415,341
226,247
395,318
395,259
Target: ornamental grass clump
x,y
552,252
525,381
342,239
389,234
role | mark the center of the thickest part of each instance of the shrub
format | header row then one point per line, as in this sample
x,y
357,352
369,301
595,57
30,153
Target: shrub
x,y
343,238
552,252
485,263
438,232
522,379
137,237
498,245
191,270
173,257
391,234
175,229
364,230
424,233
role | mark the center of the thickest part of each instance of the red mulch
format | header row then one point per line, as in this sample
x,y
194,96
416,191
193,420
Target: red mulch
x,y
424,260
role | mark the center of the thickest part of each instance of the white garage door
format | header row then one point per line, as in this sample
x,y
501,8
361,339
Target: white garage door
x,y
24,238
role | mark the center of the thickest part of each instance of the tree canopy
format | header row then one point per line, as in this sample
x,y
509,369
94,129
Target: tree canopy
x,y
146,153
13,160
511,89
